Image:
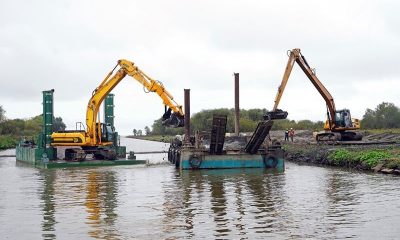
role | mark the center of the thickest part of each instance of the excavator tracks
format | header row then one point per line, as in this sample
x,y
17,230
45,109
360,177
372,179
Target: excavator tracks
x,y
332,137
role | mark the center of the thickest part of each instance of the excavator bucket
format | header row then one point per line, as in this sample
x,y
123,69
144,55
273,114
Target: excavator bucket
x,y
275,115
170,119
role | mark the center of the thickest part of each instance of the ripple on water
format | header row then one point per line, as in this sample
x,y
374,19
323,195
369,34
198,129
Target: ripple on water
x,y
160,202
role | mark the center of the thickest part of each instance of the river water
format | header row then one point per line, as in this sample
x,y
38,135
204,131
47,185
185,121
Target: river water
x,y
159,202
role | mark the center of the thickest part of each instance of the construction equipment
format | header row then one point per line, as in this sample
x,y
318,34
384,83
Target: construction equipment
x,y
339,125
218,131
258,137
97,137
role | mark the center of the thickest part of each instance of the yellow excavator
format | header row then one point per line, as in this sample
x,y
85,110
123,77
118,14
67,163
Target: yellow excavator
x,y
97,137
339,126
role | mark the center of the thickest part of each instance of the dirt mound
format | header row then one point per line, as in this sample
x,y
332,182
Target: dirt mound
x,y
307,136
385,136
300,136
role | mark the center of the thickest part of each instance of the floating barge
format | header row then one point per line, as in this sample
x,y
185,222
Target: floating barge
x,y
190,159
192,153
38,157
39,152
32,156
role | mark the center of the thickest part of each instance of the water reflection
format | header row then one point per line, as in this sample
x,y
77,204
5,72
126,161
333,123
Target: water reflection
x,y
240,210
202,200
158,202
342,199
98,191
47,197
101,201
264,203
218,206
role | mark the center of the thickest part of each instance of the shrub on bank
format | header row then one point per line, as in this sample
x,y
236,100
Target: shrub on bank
x,y
340,156
370,158
7,142
373,157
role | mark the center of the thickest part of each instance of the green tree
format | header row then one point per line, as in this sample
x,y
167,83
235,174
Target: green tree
x,y
247,125
310,125
256,114
202,120
147,130
2,114
58,124
249,119
134,132
159,129
33,126
284,124
13,127
385,115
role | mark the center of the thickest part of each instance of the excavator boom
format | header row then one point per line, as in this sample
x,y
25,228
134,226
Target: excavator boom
x,y
296,56
98,134
338,121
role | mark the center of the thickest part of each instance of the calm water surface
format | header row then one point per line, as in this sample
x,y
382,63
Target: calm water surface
x,y
159,202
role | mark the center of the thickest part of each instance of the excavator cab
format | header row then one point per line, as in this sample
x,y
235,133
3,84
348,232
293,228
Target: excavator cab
x,y
342,129
107,132
343,120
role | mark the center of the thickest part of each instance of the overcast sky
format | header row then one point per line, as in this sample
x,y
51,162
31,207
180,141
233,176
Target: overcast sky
x,y
70,46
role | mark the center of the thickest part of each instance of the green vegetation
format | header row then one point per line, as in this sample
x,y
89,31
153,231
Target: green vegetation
x,y
11,130
361,157
7,141
159,129
368,157
2,114
137,132
373,157
385,118
249,119
340,156
386,115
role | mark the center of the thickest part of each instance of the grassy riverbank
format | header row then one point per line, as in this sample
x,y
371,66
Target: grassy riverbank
x,y
385,158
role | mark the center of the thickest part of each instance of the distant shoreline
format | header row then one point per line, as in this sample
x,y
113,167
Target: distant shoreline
x,y
154,138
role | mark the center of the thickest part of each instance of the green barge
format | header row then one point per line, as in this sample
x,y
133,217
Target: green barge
x,y
39,153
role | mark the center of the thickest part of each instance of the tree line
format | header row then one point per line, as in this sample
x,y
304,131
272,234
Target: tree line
x,y
11,130
384,116
249,118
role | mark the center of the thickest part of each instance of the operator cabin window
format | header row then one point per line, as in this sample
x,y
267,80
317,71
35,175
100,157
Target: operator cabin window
x,y
338,115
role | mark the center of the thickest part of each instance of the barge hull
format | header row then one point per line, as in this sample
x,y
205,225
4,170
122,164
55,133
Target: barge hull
x,y
37,157
198,160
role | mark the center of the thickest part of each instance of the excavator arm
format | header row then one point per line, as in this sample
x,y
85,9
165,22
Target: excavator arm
x,y
296,56
173,117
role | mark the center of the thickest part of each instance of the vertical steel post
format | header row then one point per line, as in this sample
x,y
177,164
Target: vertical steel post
x,y
47,152
48,114
187,115
109,109
237,109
